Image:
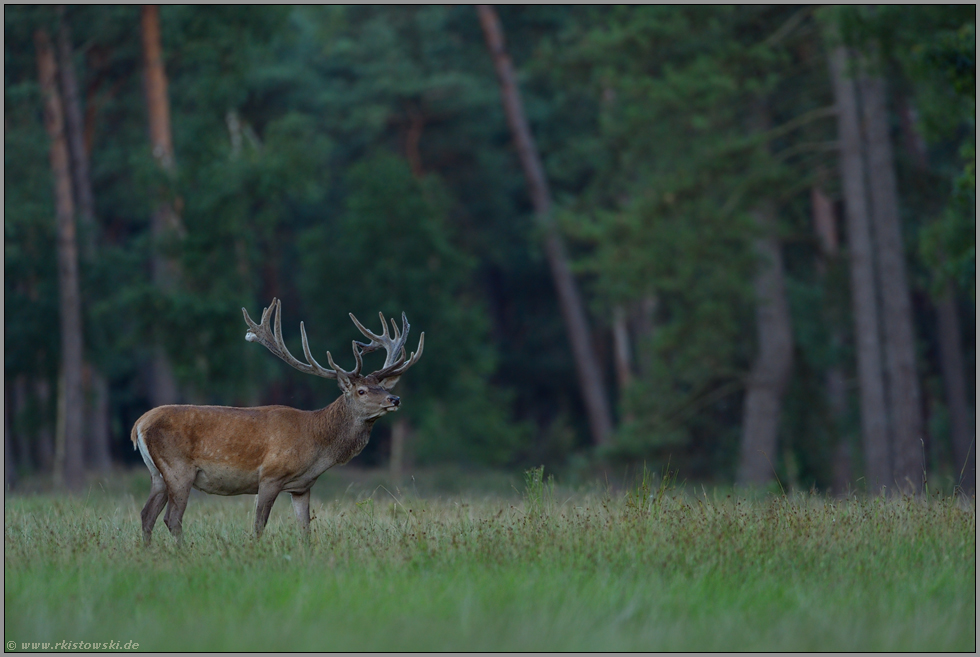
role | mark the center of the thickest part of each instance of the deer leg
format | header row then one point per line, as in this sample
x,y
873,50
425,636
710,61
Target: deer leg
x,y
178,494
301,506
153,507
263,505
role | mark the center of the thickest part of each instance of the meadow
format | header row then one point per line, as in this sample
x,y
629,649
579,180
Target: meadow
x,y
647,567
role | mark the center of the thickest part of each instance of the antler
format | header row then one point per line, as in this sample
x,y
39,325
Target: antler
x,y
271,337
395,362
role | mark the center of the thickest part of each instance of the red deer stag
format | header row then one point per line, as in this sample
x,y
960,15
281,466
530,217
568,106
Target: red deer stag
x,y
268,450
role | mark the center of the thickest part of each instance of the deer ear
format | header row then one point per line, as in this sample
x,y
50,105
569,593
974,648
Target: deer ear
x,y
389,382
344,382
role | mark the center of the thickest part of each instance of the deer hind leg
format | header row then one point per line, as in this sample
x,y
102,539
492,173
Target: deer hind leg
x,y
158,488
153,507
301,506
263,505
178,492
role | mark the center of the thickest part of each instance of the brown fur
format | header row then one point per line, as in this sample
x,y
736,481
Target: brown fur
x,y
263,450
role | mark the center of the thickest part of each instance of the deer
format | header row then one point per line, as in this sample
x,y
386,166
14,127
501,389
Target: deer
x,y
268,450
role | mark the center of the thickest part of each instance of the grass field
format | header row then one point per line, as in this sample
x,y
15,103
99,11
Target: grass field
x,y
646,568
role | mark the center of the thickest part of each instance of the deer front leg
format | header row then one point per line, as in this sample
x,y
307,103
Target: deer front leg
x,y
268,492
301,506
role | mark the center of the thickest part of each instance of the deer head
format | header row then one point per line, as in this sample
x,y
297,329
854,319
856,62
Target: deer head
x,y
368,394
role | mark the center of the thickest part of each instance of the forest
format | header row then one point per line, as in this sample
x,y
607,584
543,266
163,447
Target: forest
x,y
737,242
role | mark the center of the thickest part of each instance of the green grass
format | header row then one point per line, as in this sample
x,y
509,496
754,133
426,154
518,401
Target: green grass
x,y
645,569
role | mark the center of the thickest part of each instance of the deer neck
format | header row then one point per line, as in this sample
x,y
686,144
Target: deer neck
x,y
340,431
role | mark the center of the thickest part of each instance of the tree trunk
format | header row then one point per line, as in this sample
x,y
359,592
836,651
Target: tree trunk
x,y
902,383
622,355
771,370
573,311
95,387
622,352
399,436
165,222
643,321
9,463
45,443
71,399
19,402
75,132
951,363
874,418
97,453
825,228
950,343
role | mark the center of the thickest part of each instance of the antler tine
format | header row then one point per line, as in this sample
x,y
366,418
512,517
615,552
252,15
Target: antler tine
x,y
375,343
271,338
337,368
405,327
394,346
357,357
397,352
400,366
321,368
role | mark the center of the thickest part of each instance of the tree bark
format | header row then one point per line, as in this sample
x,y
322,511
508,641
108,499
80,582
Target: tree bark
x,y
643,321
75,131
95,387
45,443
950,343
951,363
771,370
69,470
164,222
573,311
399,438
622,351
902,383
19,402
9,463
97,453
622,356
874,417
825,228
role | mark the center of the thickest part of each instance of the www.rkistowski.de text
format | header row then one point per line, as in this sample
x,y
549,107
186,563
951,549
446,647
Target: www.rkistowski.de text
x,y
72,645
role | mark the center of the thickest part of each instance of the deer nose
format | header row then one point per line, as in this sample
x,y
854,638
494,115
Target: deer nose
x,y
395,401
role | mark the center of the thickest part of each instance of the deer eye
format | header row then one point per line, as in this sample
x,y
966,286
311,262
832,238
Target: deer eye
x,y
361,392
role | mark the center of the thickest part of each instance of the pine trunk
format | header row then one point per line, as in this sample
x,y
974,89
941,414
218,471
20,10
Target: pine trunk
x,y
622,351
95,387
572,308
9,463
874,417
164,222
951,363
75,132
771,369
25,446
825,228
643,320
902,383
950,344
97,453
44,454
69,470
399,438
